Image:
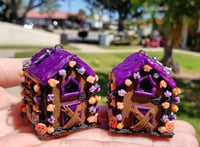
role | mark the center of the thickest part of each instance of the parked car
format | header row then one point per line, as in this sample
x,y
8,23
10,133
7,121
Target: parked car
x,y
152,44
28,26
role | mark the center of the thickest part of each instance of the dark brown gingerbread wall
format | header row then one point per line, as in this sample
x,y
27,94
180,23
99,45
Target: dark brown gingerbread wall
x,y
131,99
59,101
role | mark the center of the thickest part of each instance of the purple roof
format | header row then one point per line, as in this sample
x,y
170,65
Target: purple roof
x,y
134,63
46,65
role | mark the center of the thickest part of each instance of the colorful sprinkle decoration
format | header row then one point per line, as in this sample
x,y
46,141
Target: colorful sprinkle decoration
x,y
165,105
167,93
176,91
136,75
147,68
122,92
128,82
72,63
53,82
163,84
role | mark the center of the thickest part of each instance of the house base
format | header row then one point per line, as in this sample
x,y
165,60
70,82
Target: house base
x,y
127,131
59,131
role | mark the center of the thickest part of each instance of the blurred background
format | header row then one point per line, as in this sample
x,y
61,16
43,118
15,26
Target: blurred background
x,y
103,33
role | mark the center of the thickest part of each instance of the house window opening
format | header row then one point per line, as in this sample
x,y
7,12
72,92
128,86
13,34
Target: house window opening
x,y
71,87
146,86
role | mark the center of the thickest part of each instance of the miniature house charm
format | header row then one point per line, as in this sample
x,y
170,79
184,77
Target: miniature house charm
x,y
141,94
58,98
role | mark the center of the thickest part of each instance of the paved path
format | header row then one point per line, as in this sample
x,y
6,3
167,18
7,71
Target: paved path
x,y
91,48
7,53
12,34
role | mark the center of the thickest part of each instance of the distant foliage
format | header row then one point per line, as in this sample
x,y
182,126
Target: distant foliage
x,y
15,10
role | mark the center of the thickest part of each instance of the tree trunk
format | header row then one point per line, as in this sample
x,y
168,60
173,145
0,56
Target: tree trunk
x,y
121,20
168,59
120,25
14,11
30,6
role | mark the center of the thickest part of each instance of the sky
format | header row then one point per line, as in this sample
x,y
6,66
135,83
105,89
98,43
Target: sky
x,y
74,6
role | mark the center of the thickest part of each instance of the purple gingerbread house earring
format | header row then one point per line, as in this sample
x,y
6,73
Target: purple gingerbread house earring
x,y
141,94
59,93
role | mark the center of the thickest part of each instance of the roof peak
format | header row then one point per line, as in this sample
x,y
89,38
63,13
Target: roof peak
x,y
46,64
134,62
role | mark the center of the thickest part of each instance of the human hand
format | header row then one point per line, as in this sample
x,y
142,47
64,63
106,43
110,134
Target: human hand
x,y
16,132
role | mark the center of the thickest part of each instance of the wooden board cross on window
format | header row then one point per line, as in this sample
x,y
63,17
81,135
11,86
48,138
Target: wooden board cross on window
x,y
74,116
143,120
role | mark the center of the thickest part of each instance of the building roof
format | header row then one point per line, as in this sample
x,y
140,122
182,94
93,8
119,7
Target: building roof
x,y
134,63
50,14
46,64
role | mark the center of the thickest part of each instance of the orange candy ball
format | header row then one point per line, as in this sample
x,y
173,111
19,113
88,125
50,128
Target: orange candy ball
x,y
92,119
92,100
98,99
165,105
176,91
113,86
147,68
128,82
53,82
22,93
110,76
162,129
90,79
50,107
163,84
175,108
120,126
72,63
36,88
50,129
120,105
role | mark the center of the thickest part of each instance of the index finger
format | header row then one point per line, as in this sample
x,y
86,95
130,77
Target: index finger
x,y
10,70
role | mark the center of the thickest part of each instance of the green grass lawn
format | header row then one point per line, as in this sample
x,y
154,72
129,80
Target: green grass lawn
x,y
190,98
122,47
33,48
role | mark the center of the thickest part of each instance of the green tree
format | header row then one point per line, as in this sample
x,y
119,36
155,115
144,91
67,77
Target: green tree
x,y
49,8
9,9
52,5
122,7
81,13
176,15
3,10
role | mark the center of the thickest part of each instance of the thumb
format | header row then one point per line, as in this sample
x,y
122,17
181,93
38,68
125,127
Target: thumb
x,y
88,143
6,99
